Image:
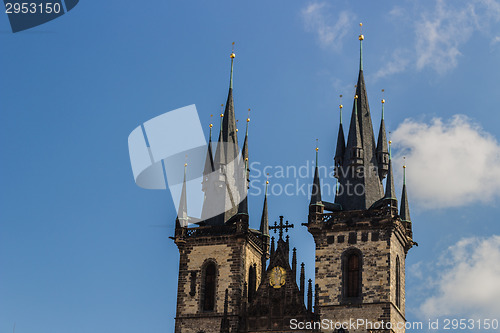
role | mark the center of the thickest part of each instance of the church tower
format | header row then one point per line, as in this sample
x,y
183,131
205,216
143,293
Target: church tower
x,y
361,238
222,256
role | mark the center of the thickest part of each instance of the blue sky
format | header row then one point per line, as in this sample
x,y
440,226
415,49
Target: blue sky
x,y
83,249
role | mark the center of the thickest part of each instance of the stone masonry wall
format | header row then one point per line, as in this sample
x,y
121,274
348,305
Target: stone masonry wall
x,y
379,249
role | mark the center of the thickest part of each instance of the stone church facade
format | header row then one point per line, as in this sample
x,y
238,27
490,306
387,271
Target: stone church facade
x,y
233,278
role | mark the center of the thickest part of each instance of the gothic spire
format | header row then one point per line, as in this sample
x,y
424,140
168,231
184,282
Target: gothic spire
x,y
244,150
182,215
219,152
264,221
243,205
209,162
309,295
361,37
316,188
228,132
382,151
302,281
405,209
340,151
389,185
360,155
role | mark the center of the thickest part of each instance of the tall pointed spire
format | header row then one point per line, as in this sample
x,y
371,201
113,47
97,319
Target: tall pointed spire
x,y
382,150
360,154
232,59
389,185
404,211
340,151
229,136
182,214
361,37
264,221
316,188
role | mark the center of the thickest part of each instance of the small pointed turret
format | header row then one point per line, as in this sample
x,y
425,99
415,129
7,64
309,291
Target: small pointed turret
x,y
389,185
302,281
382,151
264,221
316,188
244,150
340,151
405,209
294,264
182,215
219,152
243,205
209,162
309,295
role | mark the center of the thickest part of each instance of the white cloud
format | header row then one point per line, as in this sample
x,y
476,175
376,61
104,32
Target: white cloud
x,y
445,29
330,32
397,12
495,40
440,33
468,285
450,163
399,62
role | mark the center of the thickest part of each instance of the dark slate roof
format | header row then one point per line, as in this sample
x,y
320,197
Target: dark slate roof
x,y
389,185
369,182
404,211
182,211
226,154
219,151
264,220
340,151
316,188
243,205
382,138
228,131
354,136
209,162
244,150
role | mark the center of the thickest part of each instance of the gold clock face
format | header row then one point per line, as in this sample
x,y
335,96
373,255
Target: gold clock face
x,y
278,275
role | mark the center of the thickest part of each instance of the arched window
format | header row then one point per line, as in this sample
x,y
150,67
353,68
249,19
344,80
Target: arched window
x,y
351,275
353,270
252,282
208,301
398,283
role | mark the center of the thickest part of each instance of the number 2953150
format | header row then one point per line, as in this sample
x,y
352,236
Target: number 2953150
x,y
32,8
